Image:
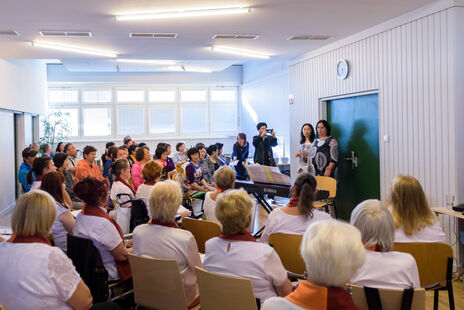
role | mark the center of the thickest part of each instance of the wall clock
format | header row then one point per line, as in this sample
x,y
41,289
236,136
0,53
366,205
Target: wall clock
x,y
342,69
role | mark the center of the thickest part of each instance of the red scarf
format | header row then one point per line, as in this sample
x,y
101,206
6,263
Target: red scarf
x,y
375,248
38,177
123,267
166,224
125,183
149,182
29,239
241,236
294,200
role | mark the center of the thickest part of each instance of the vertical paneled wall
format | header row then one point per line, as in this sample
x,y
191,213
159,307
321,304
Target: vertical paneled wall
x,y
412,68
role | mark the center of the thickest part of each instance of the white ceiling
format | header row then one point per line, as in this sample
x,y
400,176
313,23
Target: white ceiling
x,y
273,20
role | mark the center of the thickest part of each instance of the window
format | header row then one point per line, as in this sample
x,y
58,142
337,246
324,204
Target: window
x,y
162,120
131,121
130,96
97,122
99,110
162,95
194,119
96,96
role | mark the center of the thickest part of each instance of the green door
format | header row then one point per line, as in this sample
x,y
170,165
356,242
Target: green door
x,y
355,125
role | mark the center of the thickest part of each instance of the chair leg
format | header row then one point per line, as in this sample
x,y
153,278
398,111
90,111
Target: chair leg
x,y
435,300
451,296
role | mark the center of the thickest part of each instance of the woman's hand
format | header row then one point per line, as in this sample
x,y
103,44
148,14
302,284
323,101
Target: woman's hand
x,y
304,153
327,172
297,154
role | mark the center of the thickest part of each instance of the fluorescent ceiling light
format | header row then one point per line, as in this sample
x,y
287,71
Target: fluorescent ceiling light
x,y
147,61
183,13
236,51
73,49
198,69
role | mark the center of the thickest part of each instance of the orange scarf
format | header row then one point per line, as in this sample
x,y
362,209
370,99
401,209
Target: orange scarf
x,y
123,267
241,236
29,239
167,224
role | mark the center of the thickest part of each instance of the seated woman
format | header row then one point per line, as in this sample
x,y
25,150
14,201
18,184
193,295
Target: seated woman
x,y
205,169
240,153
162,238
195,185
53,183
151,173
40,166
121,170
181,156
299,212
170,162
161,154
383,268
95,224
220,156
332,252
61,162
224,178
236,253
131,154
35,274
413,218
213,161
142,156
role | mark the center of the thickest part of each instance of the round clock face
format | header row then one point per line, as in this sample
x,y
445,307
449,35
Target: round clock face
x,y
342,69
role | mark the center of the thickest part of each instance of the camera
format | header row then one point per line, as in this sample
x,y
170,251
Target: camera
x,y
269,130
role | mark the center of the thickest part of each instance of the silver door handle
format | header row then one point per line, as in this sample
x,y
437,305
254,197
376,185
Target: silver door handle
x,y
354,160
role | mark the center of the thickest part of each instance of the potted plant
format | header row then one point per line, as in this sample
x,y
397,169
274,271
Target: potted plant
x,y
55,128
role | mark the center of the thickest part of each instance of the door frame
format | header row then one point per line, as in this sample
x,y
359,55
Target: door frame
x,y
322,106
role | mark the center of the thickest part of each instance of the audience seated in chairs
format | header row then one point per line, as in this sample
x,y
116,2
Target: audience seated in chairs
x,y
121,170
236,252
95,224
224,179
86,167
413,218
151,173
213,161
106,156
70,149
195,185
142,156
207,174
332,252
162,238
181,156
40,166
131,154
61,163
383,268
59,147
53,183
220,156
28,159
47,150
112,155
170,163
299,212
35,274
161,154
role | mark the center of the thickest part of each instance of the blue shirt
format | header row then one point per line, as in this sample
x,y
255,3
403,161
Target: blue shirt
x,y
23,171
106,171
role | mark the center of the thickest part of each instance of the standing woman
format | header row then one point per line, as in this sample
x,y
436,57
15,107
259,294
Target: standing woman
x,y
240,153
325,161
121,171
306,142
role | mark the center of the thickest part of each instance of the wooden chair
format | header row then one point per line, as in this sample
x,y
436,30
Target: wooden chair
x,y
328,184
202,230
387,299
225,292
157,283
288,248
435,264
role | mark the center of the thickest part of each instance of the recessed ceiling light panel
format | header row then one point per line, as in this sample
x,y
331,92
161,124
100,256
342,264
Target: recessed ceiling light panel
x,y
8,33
147,61
152,35
62,33
235,36
241,52
73,49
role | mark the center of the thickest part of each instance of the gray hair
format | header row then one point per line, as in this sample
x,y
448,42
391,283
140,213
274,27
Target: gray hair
x,y
375,223
332,252
165,200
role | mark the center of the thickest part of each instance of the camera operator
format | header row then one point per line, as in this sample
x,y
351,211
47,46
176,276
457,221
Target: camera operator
x,y
263,144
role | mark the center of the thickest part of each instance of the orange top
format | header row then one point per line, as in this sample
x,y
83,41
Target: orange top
x,y
84,169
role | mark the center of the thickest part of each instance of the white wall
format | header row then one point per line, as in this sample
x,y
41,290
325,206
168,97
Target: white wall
x,y
414,62
7,167
23,85
265,99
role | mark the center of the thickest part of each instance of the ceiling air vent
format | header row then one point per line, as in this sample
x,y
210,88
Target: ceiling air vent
x,y
309,37
235,36
60,33
152,35
8,33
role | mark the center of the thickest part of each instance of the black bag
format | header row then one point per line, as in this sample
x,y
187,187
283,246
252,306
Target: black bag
x,y
139,213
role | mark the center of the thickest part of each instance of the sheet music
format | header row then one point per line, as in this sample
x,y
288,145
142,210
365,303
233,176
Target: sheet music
x,y
268,174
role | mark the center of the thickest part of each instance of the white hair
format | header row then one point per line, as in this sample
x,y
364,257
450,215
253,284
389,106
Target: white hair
x,y
332,251
375,223
165,199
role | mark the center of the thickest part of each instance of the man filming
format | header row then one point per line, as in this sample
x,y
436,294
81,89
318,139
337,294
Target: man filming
x,y
263,144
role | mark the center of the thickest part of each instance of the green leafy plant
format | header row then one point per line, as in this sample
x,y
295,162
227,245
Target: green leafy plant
x,y
55,128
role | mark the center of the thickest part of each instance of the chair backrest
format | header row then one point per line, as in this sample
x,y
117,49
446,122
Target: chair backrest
x,y
157,283
288,248
184,173
431,259
202,230
390,299
224,292
328,184
87,260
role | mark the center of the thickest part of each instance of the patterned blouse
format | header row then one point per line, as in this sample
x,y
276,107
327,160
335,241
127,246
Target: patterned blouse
x,y
327,152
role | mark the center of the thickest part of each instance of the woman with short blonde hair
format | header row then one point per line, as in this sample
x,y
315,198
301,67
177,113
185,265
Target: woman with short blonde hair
x,y
162,238
383,268
224,178
413,218
32,271
332,251
225,254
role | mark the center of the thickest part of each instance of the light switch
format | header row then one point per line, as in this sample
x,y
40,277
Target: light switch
x,y
386,138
